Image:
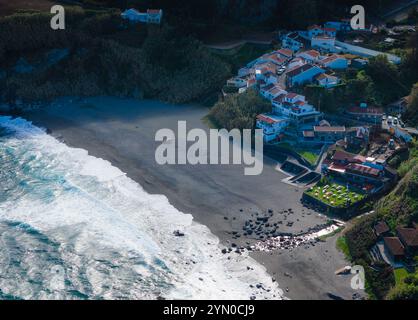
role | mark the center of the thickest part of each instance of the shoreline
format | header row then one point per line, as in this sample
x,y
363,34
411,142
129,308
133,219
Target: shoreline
x,y
219,197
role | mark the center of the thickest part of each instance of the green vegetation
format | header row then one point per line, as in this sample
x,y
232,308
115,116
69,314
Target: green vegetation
x,y
239,57
106,56
343,247
399,207
308,154
411,114
400,275
406,286
335,195
239,110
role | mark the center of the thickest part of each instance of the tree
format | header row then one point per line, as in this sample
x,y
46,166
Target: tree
x,y
411,114
239,110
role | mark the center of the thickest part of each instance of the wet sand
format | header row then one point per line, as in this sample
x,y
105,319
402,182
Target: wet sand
x,y
220,196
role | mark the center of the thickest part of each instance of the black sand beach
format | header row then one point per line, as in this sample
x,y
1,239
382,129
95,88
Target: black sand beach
x,y
219,196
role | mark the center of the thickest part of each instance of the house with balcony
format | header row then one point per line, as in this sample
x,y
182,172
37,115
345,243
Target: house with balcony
x,y
310,56
326,80
323,42
366,113
272,91
324,134
272,125
293,41
296,108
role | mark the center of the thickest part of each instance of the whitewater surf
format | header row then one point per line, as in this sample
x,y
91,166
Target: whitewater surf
x,y
73,226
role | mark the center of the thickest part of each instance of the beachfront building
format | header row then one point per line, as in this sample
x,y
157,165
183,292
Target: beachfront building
x,y
324,134
310,56
303,74
295,107
367,174
334,62
293,41
326,80
151,16
272,125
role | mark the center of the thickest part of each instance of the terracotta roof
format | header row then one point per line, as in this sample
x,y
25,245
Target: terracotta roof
x,y
299,70
291,95
343,156
269,119
315,26
394,245
312,53
285,52
408,235
381,227
363,170
279,98
368,110
329,129
308,134
330,59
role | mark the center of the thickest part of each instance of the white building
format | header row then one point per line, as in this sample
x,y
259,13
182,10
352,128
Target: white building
x,y
310,56
272,91
292,41
295,107
323,42
326,80
272,125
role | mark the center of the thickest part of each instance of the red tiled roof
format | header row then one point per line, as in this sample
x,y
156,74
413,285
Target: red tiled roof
x,y
363,170
279,98
299,70
315,26
285,52
329,129
394,245
308,134
291,95
330,59
408,235
312,53
381,227
343,156
368,110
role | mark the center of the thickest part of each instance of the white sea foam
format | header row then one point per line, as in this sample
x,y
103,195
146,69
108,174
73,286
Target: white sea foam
x,y
111,230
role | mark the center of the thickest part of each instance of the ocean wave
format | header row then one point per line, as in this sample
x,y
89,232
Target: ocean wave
x,y
76,227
